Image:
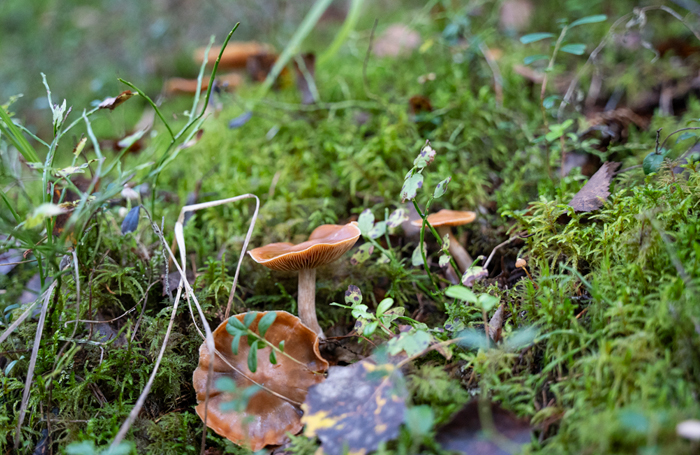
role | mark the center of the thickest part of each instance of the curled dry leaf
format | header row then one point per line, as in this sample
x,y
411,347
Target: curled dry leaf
x,y
267,417
356,408
111,103
594,193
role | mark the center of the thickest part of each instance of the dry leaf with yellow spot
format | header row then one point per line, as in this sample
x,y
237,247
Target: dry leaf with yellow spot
x,y
356,408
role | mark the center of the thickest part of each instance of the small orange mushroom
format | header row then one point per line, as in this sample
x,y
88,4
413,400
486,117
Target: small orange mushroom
x,y
236,54
443,221
275,410
179,85
326,244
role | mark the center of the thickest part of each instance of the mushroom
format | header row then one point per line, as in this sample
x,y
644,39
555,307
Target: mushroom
x,y
443,222
274,410
326,244
236,54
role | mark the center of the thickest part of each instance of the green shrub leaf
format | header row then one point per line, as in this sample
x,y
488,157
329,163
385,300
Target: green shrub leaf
x,y
265,322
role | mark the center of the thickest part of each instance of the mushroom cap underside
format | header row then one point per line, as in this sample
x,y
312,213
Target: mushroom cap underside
x,y
448,218
268,417
326,244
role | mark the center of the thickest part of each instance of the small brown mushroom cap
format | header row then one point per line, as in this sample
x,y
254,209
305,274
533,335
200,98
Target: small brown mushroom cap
x,y
234,56
448,218
268,417
326,244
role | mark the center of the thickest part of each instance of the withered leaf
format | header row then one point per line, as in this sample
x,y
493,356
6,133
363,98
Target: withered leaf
x,y
594,193
112,102
465,434
356,408
305,66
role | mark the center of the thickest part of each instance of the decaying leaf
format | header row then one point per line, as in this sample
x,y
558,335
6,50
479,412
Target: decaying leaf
x,y
411,186
594,193
496,325
111,103
418,104
363,253
356,408
397,217
474,275
468,431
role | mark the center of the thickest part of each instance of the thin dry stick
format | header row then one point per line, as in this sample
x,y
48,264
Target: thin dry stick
x,y
488,261
19,320
365,83
180,237
32,363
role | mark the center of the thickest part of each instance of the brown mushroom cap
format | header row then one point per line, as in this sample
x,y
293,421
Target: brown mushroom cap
x,y
268,417
326,244
234,56
448,218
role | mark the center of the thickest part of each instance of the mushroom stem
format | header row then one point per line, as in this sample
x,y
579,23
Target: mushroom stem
x,y
462,258
307,300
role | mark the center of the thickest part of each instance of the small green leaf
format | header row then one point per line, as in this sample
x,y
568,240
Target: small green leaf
x,y
444,260
249,318
236,343
377,231
474,274
370,328
686,135
253,357
548,103
576,49
362,254
281,346
589,20
417,257
365,221
410,187
419,420
535,58
265,322
235,326
360,311
226,384
383,306
397,217
487,301
441,188
461,293
652,162
534,37
273,358
353,296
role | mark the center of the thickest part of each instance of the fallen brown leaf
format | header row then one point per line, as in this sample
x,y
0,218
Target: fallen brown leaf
x,y
111,103
594,193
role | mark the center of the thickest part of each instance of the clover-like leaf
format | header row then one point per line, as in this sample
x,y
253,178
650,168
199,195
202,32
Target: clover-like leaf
x,y
353,296
378,230
397,217
473,275
410,187
392,314
362,254
249,318
365,221
412,342
487,301
444,260
441,188
360,311
417,256
425,157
